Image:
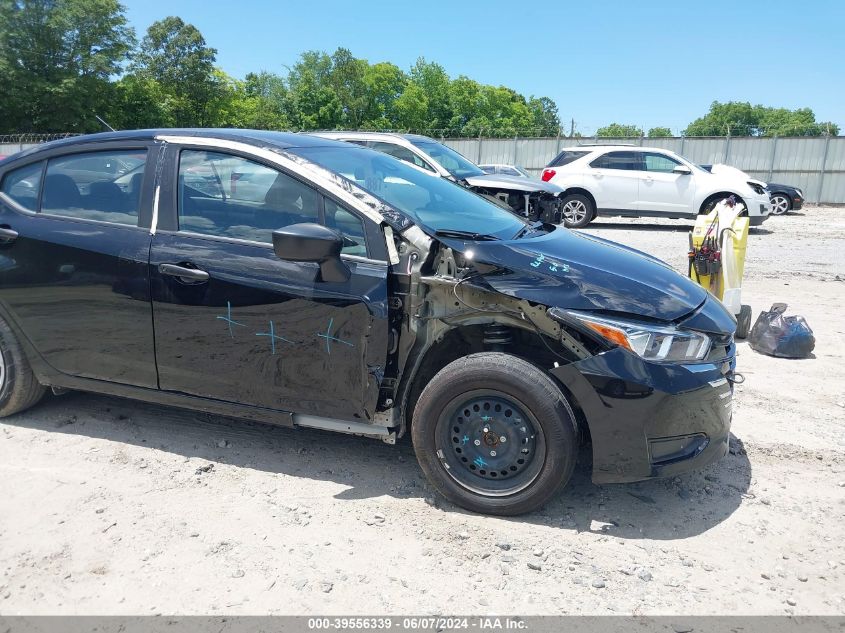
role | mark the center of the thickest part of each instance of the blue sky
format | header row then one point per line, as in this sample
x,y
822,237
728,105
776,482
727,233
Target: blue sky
x,y
641,62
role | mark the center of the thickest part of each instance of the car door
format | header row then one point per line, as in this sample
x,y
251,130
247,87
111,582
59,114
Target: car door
x,y
73,265
234,322
613,180
661,190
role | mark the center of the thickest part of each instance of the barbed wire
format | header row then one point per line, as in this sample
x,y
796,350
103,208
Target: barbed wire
x,y
35,137
581,134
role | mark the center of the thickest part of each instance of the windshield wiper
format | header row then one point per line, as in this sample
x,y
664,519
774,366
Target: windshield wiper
x,y
466,235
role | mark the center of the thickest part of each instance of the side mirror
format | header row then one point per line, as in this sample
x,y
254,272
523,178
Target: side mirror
x,y
683,170
312,243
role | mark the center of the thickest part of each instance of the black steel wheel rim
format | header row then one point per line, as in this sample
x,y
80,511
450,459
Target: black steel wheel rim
x,y
490,443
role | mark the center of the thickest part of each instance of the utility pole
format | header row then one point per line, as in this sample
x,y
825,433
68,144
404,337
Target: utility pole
x,y
571,128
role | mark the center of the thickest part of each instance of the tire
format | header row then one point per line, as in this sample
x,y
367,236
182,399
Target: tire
x,y
19,389
580,211
708,205
743,321
781,204
495,435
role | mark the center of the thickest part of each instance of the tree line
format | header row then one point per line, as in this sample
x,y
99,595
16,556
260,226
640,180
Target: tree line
x,y
64,62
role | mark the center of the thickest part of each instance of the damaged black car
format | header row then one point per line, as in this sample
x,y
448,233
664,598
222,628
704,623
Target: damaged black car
x,y
304,282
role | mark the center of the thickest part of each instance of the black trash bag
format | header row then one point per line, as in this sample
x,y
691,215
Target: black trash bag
x,y
783,336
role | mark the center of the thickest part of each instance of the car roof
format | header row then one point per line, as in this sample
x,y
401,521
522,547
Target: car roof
x,y
614,148
259,138
375,136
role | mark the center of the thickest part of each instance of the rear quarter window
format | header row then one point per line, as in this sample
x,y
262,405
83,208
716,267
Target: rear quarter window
x,y
566,157
23,184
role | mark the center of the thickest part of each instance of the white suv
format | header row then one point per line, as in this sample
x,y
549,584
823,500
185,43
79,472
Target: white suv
x,y
624,180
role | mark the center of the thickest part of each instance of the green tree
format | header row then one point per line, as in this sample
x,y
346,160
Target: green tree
x,y
545,114
657,132
737,118
618,130
411,109
139,103
384,83
56,57
175,55
435,83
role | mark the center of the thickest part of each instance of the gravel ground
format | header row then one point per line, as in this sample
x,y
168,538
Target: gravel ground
x,y
115,507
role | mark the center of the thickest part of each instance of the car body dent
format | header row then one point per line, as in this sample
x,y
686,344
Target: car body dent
x,y
567,270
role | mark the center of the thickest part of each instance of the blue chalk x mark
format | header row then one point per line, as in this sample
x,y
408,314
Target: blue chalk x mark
x,y
486,418
273,337
479,461
228,319
329,338
464,439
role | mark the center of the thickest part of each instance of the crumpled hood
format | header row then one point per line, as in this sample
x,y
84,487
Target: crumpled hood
x,y
572,270
503,181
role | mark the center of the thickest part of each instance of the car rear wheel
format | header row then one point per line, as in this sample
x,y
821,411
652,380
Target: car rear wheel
x,y
780,204
577,211
494,434
19,389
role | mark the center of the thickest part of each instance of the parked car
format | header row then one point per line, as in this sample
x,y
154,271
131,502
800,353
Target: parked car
x,y
507,170
644,181
784,198
356,294
530,198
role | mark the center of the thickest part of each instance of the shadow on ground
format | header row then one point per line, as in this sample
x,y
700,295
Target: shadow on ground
x,y
659,509
625,226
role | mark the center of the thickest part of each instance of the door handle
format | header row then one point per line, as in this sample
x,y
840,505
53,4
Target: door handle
x,y
183,272
8,235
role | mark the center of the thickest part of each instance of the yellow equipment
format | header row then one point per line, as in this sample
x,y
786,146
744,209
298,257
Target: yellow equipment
x,y
717,258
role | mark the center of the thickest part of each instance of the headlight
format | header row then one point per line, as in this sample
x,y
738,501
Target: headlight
x,y
758,187
800,193
651,342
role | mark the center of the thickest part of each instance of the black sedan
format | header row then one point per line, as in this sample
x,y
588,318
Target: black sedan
x,y
304,282
785,198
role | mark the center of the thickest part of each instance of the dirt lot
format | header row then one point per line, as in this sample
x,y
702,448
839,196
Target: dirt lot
x,y
114,507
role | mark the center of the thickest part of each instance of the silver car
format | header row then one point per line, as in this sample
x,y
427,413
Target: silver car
x,y
528,197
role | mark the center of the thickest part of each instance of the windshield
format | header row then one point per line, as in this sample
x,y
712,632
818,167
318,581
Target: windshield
x,y
449,159
435,203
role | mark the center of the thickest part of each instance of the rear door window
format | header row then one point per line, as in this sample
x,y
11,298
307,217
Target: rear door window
x,y
23,184
629,161
104,186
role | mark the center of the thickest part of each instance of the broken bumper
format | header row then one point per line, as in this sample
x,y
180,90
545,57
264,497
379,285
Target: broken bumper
x,y
547,208
651,420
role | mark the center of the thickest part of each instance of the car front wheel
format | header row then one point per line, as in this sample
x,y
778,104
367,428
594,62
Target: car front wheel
x,y
577,211
780,204
494,434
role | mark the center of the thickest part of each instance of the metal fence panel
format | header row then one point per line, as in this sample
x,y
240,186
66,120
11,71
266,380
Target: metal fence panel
x,y
815,164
